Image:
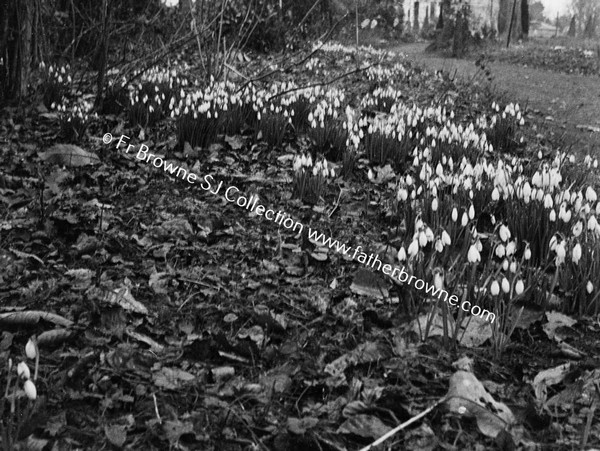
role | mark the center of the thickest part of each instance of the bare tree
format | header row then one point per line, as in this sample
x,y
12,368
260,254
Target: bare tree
x,y
586,13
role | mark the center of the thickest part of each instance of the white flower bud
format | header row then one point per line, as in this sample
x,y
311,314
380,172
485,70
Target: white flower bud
x,y
495,288
455,214
519,287
505,285
30,390
576,253
31,349
589,287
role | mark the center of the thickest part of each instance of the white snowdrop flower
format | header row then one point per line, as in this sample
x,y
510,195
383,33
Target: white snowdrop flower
x,y
439,170
537,179
540,155
315,171
589,287
548,202
402,194
577,229
511,247
439,246
561,253
429,234
592,223
422,239
23,370
567,216
505,265
504,233
401,254
495,288
553,243
595,163
505,285
539,195
576,253
471,212
413,249
409,180
527,253
473,254
434,204
31,349
446,238
455,214
590,194
519,287
465,219
552,215
370,174
513,267
30,390
495,194
526,191
500,251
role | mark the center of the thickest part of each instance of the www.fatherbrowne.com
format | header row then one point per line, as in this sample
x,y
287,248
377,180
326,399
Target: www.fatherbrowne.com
x,y
231,195
400,274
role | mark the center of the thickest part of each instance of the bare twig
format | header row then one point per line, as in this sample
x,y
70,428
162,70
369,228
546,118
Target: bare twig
x,y
397,429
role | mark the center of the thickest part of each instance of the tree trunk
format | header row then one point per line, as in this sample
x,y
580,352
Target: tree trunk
x,y
525,18
16,47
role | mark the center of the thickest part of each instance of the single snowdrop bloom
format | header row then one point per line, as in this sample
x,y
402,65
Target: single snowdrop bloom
x,y
519,287
30,390
577,229
500,251
505,285
576,253
465,219
439,246
455,214
561,253
495,288
23,370
413,249
505,265
589,287
513,267
592,223
473,255
495,194
552,215
527,253
446,238
401,254
504,233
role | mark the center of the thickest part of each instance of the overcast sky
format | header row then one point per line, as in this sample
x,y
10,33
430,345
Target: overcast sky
x,y
551,7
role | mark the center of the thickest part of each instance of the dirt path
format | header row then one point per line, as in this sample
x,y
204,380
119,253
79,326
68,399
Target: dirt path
x,y
570,100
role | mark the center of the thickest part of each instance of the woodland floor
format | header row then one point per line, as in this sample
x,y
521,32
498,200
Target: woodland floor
x,y
251,340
